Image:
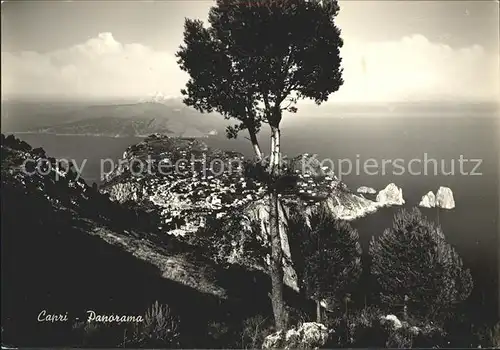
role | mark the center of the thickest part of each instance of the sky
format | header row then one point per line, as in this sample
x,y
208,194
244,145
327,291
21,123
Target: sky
x,y
394,50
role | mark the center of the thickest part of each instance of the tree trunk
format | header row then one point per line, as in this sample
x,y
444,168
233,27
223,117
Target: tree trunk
x,y
271,155
255,145
318,311
276,264
274,163
274,230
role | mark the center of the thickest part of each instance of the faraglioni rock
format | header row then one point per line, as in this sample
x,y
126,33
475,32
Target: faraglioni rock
x,y
428,200
365,189
444,198
391,195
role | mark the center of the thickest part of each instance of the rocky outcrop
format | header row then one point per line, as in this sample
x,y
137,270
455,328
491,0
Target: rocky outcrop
x,y
390,195
309,335
181,185
348,206
193,190
319,186
391,319
444,198
187,195
428,200
366,190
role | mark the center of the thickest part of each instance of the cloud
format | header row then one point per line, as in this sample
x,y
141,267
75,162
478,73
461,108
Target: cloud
x,y
411,68
100,67
415,68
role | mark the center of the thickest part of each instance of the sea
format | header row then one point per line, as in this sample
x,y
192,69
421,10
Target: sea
x,y
461,150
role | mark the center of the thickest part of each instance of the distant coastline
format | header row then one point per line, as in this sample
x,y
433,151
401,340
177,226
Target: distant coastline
x,y
99,135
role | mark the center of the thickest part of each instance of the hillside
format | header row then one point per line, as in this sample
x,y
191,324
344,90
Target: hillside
x,y
196,181
77,242
189,183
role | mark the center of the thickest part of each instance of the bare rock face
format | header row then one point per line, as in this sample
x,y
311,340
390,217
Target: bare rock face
x,y
428,200
310,335
391,195
348,206
444,198
366,190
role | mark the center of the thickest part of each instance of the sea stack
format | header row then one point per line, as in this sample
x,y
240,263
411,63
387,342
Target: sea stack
x,y
366,190
391,195
428,200
444,198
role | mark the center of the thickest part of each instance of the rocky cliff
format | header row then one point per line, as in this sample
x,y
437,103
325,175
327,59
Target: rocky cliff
x,y
428,200
366,190
201,181
187,181
444,198
390,195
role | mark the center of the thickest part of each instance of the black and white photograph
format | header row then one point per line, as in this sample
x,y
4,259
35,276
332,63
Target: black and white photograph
x,y
250,174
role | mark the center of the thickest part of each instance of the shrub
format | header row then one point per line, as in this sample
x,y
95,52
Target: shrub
x,y
415,266
371,327
326,255
91,334
159,329
249,333
495,336
219,334
359,328
254,331
488,336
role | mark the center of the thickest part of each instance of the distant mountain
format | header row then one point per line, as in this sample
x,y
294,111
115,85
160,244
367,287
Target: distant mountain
x,y
110,126
160,114
23,115
159,97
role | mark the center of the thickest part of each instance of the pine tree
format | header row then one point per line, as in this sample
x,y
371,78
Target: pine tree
x,y
326,254
259,59
413,261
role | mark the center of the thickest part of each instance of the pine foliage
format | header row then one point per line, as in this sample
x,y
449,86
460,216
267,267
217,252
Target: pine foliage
x,y
326,254
413,260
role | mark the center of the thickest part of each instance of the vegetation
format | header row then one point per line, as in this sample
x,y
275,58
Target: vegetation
x,y
262,57
417,269
64,231
327,256
232,239
62,214
159,329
